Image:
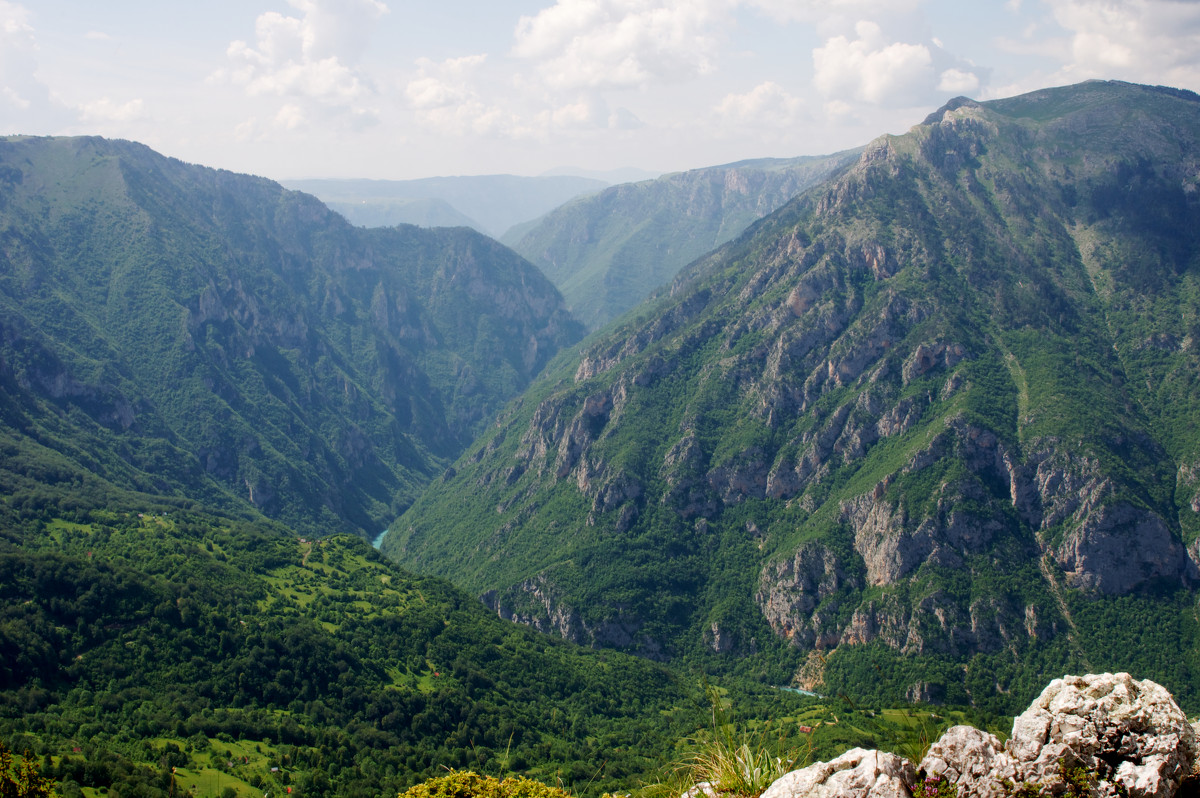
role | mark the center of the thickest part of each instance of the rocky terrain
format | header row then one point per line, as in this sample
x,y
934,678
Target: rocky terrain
x,y
940,409
1094,735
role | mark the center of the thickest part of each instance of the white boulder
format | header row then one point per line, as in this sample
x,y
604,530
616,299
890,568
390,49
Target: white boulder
x,y
858,773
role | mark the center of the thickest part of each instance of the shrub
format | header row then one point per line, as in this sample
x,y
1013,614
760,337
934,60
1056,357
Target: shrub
x,y
468,784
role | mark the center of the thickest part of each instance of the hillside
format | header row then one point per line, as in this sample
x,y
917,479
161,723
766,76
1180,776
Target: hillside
x,y
929,430
179,331
608,251
489,203
143,641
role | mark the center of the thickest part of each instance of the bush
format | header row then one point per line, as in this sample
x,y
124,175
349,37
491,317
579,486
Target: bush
x,y
468,784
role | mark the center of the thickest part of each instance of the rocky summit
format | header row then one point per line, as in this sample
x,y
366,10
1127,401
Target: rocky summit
x,y
935,418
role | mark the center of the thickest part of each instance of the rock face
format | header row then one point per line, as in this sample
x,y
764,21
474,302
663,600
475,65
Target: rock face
x,y
1129,736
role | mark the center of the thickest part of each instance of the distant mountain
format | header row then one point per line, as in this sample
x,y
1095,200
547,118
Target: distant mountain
x,y
181,331
608,251
627,174
387,212
489,203
932,429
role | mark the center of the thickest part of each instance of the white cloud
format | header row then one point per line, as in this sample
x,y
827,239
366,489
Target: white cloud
x,y
105,110
445,97
823,10
875,70
1153,41
290,117
958,81
607,44
767,105
310,60
872,70
26,103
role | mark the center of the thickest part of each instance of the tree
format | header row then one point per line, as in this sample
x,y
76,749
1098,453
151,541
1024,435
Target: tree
x,y
22,779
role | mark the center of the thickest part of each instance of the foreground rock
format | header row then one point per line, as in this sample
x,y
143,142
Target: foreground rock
x,y
858,772
1107,733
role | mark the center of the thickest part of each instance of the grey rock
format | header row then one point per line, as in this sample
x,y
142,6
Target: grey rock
x,y
973,760
1129,733
858,773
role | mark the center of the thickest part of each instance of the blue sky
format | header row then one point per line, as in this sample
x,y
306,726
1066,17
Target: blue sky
x,y
394,89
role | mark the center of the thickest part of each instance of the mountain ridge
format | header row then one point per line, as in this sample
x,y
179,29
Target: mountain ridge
x,y
607,251
180,330
898,423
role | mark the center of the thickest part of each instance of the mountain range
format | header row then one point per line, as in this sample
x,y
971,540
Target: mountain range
x,y
174,330
490,204
607,251
935,418
922,428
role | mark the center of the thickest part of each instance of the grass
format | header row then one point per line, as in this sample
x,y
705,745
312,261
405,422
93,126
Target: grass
x,y
735,761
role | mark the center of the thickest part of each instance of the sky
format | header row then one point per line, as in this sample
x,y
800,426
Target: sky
x,y
398,89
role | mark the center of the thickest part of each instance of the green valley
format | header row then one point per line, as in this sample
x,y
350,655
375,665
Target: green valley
x,y
921,430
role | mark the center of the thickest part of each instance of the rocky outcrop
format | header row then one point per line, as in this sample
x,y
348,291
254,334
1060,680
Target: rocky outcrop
x,y
858,772
1128,733
796,595
538,602
1110,732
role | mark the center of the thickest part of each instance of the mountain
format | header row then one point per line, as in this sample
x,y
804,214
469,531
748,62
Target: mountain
x,y
172,330
490,203
387,212
928,430
609,250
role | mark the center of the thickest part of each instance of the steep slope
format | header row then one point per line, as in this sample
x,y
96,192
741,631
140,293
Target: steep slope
x,y
930,429
175,330
494,202
608,251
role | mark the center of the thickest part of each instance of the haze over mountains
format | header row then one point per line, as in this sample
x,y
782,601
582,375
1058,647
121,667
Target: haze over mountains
x,y
924,427
607,251
489,203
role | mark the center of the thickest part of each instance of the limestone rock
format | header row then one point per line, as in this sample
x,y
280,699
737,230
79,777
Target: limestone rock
x,y
1128,732
973,760
858,773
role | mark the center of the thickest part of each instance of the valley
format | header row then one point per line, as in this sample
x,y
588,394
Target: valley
x,y
864,444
